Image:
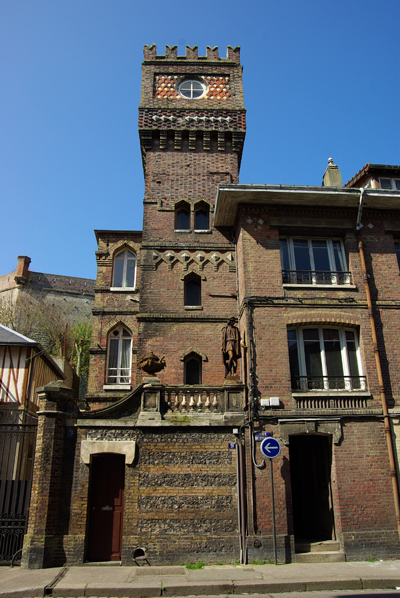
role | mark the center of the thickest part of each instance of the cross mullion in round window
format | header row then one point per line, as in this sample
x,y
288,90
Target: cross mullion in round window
x,y
125,270
191,89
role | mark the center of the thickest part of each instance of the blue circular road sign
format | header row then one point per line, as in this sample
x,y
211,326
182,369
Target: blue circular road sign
x,y
270,447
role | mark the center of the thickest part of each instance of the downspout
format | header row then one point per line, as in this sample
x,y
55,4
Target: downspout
x,y
240,459
388,430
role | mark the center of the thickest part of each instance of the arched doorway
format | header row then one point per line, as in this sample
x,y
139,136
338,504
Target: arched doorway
x,y
106,504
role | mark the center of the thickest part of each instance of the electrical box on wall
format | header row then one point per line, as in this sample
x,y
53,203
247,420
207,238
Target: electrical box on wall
x,y
271,402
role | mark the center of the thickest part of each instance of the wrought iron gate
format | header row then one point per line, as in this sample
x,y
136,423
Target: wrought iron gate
x,y
17,450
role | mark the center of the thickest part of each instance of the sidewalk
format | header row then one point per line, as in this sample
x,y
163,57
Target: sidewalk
x,y
143,582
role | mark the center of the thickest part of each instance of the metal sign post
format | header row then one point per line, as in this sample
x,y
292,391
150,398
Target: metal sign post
x,y
271,448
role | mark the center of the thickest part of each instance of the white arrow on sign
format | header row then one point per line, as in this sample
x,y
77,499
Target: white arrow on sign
x,y
270,448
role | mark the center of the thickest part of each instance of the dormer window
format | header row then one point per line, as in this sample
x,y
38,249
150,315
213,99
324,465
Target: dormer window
x,y
390,184
191,89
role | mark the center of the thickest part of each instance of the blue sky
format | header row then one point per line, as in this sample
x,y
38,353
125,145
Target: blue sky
x,y
320,79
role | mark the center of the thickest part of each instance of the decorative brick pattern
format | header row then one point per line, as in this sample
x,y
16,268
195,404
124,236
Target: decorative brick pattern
x,y
166,86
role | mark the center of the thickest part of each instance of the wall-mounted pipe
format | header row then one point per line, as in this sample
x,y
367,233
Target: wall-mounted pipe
x,y
388,429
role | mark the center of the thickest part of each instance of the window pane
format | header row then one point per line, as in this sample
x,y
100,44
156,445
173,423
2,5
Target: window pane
x,y
182,219
352,354
397,183
321,258
293,358
125,361
333,357
285,258
193,371
386,183
312,352
301,255
118,271
130,272
201,220
113,361
192,293
337,252
397,248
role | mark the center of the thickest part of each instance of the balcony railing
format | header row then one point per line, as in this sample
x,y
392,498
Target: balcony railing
x,y
329,383
316,277
203,399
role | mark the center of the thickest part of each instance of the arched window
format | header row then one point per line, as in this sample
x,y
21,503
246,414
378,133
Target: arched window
x,y
182,216
119,356
125,269
201,218
192,290
193,369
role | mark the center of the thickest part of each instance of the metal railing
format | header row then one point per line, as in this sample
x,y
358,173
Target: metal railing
x,y
17,451
316,277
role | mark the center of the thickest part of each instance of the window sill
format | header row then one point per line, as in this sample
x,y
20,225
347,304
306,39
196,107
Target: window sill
x,y
182,230
203,231
117,387
123,289
334,287
193,307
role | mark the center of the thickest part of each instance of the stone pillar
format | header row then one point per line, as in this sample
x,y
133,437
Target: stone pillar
x,y
43,541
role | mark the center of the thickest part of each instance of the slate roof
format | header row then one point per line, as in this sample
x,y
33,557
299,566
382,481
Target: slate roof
x,y
10,337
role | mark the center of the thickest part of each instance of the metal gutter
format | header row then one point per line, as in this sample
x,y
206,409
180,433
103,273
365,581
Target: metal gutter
x,y
230,196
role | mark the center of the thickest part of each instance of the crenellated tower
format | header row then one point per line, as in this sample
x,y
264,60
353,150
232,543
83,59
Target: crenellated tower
x,y
192,125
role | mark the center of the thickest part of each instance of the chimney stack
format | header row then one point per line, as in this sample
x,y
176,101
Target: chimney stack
x,y
332,176
21,275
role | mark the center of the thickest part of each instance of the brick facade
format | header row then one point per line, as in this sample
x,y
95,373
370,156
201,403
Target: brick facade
x,y
188,447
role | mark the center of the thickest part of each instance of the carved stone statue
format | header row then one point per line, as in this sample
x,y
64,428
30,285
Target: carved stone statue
x,y
230,347
151,364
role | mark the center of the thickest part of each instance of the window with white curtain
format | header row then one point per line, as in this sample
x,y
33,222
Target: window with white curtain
x,y
119,356
125,270
313,261
324,358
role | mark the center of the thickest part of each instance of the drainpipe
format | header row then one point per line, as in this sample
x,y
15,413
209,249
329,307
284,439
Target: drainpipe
x,y
388,431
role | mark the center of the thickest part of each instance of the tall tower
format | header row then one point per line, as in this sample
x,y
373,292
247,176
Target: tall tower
x,y
192,129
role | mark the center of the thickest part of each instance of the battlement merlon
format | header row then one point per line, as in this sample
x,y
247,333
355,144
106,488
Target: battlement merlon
x,y
171,53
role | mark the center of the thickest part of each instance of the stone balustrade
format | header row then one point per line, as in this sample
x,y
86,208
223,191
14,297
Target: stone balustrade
x,y
203,399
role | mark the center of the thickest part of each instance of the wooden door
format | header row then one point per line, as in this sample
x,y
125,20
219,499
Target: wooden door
x,y
106,505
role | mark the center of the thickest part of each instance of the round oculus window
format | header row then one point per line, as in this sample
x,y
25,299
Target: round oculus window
x,y
191,89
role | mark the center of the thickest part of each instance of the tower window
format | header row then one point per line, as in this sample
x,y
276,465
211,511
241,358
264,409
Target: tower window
x,y
125,270
182,219
201,219
191,89
119,356
193,369
193,291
